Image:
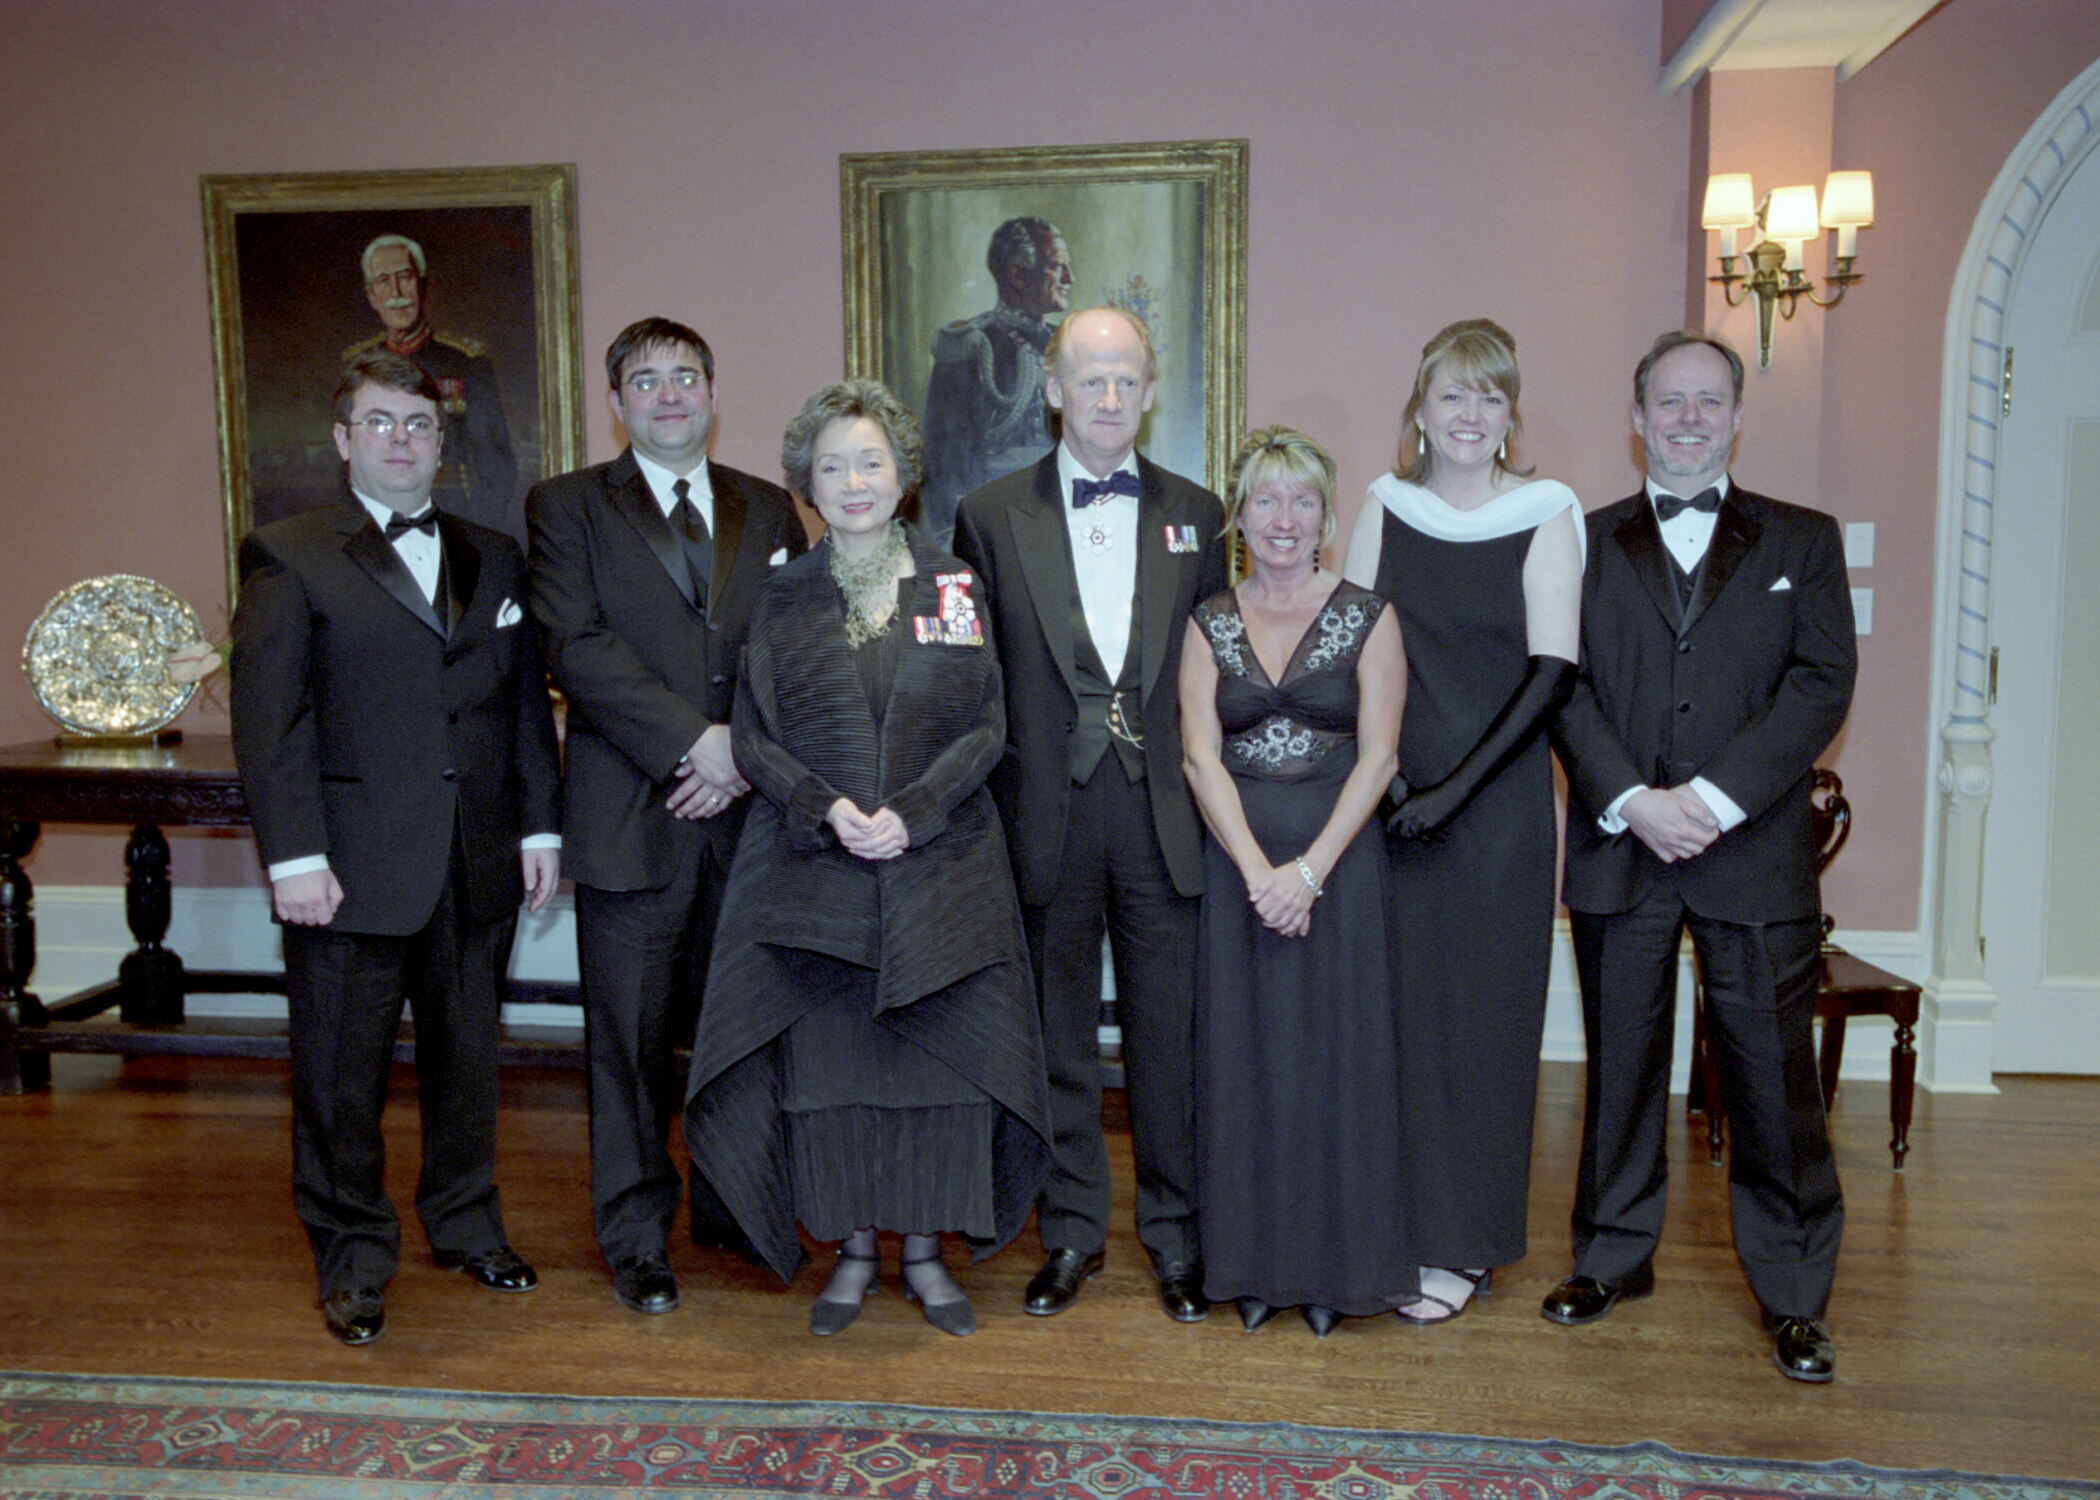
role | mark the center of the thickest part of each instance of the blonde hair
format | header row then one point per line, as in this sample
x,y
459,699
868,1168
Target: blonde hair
x,y
1271,453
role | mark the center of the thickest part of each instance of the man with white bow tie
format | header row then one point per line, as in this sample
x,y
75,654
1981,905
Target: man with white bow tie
x,y
1718,663
644,574
397,751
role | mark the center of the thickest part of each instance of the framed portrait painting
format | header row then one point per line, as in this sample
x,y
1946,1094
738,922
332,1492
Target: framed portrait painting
x,y
470,272
959,264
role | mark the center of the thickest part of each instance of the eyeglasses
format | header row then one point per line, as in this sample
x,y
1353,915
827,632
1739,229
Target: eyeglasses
x,y
648,384
381,425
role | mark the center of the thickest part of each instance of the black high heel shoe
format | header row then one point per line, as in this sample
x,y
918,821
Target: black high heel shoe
x,y
1254,1312
956,1316
827,1318
1321,1320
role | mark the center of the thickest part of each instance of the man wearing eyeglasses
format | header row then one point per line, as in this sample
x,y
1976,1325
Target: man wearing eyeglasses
x,y
477,470
644,574
397,752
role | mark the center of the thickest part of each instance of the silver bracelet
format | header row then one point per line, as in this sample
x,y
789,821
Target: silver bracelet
x,y
1305,870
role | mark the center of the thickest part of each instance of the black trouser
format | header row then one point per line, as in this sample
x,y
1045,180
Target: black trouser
x,y
345,993
1759,983
1113,879
642,959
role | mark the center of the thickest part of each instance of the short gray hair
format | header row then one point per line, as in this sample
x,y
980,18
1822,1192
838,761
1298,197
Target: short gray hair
x,y
847,401
387,242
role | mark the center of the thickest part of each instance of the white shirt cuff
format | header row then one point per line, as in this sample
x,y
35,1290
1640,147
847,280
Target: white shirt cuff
x,y
1725,810
540,841
285,869
1612,823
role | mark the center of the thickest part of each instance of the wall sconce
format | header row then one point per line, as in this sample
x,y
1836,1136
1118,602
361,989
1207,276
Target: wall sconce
x,y
1785,221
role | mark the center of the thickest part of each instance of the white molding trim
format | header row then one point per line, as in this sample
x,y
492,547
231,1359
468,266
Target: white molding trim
x,y
1956,1034
81,938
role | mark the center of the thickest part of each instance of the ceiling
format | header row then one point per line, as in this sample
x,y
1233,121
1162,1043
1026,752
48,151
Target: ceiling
x,y
1841,34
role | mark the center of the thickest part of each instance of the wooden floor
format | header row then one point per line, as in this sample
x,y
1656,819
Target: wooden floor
x,y
146,1229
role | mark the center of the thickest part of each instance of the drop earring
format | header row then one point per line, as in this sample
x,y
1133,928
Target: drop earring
x,y
1421,444
1502,453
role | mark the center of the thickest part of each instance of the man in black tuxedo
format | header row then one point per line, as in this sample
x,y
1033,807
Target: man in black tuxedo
x,y
644,574
1718,661
397,751
1093,558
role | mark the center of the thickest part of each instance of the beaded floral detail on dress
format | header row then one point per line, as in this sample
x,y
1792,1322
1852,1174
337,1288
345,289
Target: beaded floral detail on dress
x,y
1281,730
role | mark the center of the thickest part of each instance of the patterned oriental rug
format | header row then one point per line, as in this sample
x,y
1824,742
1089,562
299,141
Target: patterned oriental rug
x,y
92,1438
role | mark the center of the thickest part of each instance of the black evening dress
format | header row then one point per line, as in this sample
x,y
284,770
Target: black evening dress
x,y
1472,910
1297,1045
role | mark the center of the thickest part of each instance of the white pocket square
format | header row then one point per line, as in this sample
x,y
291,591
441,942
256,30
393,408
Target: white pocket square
x,y
780,555
508,614
1784,583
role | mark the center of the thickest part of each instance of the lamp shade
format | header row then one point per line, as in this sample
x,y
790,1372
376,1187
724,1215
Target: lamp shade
x,y
1792,215
1729,204
1848,198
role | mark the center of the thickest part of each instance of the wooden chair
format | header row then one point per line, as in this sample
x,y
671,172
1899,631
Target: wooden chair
x,y
1847,987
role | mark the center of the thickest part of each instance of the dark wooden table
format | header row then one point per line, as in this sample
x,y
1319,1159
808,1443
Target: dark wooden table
x,y
191,784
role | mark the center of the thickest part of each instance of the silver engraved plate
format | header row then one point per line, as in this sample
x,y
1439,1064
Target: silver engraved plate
x,y
97,657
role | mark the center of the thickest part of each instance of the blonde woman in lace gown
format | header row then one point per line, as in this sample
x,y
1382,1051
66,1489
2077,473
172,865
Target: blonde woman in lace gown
x,y
1291,688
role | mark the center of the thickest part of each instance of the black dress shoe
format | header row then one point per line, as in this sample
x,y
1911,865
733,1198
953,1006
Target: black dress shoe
x,y
1321,1320
357,1316
1584,1299
1803,1349
1254,1312
1181,1290
500,1270
1055,1287
646,1284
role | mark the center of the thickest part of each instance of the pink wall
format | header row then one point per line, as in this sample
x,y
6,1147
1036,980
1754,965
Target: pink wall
x,y
1410,164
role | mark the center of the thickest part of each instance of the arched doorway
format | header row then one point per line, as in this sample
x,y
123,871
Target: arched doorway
x,y
2009,507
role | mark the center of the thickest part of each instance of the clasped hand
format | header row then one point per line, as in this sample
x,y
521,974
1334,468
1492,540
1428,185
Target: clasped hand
x,y
1425,814
1674,822
1283,900
877,835
708,780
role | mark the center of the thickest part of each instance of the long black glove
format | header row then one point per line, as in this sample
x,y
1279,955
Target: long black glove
x,y
1424,813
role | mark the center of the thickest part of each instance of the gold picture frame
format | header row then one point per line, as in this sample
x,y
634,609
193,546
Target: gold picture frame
x,y
1159,226
498,304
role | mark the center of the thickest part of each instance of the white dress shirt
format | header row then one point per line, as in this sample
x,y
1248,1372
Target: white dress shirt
x,y
1687,534
1104,559
702,492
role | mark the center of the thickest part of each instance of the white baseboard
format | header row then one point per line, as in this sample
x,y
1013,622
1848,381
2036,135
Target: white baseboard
x,y
81,938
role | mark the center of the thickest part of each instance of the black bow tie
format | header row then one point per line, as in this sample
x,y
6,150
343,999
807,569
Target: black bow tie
x,y
398,526
1087,492
1669,507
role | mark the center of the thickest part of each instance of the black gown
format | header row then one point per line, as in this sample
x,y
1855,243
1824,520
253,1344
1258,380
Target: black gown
x,y
1472,911
880,1132
1297,1046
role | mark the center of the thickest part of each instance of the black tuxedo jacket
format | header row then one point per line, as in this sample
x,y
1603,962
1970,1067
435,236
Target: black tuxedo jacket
x,y
645,668
1013,533
365,725
1745,687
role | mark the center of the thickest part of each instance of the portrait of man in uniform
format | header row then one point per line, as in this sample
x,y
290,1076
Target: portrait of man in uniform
x,y
466,272
960,265
477,471
984,414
